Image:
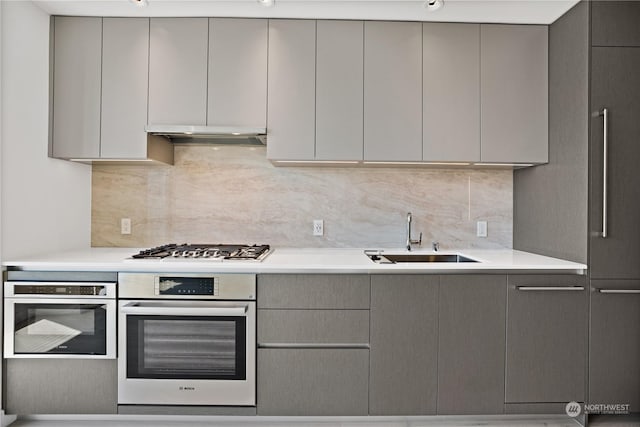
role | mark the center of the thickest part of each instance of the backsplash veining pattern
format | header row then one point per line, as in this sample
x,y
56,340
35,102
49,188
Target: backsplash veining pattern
x,y
228,194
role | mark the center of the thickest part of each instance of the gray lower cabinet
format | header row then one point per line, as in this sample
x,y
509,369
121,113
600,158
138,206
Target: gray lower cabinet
x,y
313,344
58,386
547,320
514,96
313,291
178,71
77,50
392,91
404,345
472,311
614,345
313,381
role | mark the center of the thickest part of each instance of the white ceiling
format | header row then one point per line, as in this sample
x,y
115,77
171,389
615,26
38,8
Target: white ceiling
x,y
496,11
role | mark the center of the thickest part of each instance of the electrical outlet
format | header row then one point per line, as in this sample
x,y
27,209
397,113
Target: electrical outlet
x,y
481,229
125,225
318,227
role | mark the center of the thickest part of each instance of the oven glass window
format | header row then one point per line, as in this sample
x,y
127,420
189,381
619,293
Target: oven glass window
x,y
60,329
186,347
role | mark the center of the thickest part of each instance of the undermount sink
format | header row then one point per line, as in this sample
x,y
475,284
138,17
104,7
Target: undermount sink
x,y
382,258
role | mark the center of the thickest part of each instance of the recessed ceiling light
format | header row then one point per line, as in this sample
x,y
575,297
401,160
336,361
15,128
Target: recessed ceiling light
x,y
433,5
140,3
267,3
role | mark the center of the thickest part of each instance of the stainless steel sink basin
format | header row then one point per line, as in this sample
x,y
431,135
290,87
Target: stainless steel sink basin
x,y
382,258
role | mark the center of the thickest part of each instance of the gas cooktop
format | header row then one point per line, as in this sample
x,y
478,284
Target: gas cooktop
x,y
207,252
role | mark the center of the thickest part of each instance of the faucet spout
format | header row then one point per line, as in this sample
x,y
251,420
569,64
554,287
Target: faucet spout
x,y
409,240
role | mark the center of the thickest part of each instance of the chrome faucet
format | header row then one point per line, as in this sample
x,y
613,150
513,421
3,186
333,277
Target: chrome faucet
x,y
409,240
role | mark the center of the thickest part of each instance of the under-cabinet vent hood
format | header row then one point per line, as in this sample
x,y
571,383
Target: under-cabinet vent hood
x,y
182,134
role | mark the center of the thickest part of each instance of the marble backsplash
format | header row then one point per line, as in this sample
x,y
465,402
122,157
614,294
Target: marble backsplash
x,y
230,194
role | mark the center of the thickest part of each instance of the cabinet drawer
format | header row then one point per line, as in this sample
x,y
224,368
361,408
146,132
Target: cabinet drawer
x,y
321,291
313,326
313,382
58,386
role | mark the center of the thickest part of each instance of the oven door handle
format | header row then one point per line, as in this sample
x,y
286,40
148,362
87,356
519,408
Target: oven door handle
x,y
169,310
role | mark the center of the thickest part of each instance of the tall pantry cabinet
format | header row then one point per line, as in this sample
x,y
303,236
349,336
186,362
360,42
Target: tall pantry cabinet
x,y
594,75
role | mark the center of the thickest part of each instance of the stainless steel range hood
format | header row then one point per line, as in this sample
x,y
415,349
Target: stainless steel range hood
x,y
182,134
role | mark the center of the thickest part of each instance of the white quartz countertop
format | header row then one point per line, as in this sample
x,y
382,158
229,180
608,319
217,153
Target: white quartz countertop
x,y
295,260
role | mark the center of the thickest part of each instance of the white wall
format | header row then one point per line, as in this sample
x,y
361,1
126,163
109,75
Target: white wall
x,y
45,203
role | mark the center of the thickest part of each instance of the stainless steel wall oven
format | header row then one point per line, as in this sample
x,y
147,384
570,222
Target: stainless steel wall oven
x,y
187,339
50,318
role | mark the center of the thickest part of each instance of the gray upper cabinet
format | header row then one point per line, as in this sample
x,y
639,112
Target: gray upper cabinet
x,y
125,78
404,345
76,87
546,339
291,89
472,311
178,71
237,81
451,92
393,91
615,23
339,91
514,93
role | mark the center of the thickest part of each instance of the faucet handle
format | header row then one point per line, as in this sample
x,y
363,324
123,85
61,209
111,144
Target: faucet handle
x,y
417,242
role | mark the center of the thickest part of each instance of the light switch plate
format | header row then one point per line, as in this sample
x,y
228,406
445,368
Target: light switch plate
x,y
481,229
318,227
125,225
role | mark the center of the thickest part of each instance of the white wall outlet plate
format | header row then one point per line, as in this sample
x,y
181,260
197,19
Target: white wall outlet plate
x,y
318,227
481,229
125,225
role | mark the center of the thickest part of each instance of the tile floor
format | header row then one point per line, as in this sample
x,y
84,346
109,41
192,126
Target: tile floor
x,y
165,421
204,421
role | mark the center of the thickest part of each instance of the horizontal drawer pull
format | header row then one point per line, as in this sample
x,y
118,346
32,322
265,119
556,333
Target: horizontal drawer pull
x,y
314,345
550,288
619,291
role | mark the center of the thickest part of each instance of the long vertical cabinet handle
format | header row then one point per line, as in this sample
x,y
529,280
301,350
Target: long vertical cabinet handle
x,y
605,152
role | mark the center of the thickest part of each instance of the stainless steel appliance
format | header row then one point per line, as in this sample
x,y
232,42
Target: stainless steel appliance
x,y
187,339
205,252
61,319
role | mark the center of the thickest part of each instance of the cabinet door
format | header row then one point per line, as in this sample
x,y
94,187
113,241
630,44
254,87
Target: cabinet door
x,y
178,71
404,343
312,381
615,23
614,371
514,93
125,85
393,91
546,339
339,90
237,84
291,104
615,85
76,87
58,386
472,311
451,92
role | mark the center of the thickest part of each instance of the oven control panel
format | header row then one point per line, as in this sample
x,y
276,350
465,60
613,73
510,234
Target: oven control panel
x,y
192,286
180,285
